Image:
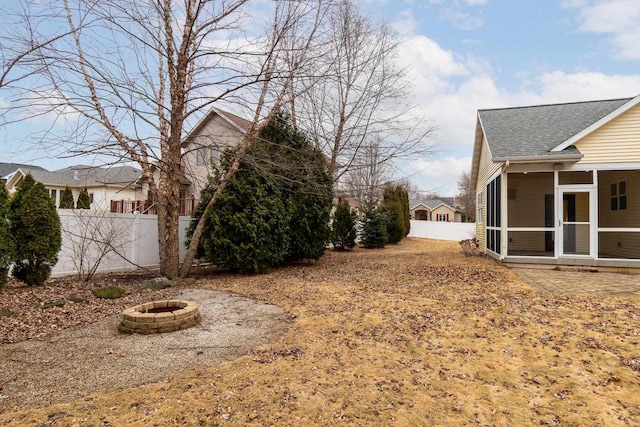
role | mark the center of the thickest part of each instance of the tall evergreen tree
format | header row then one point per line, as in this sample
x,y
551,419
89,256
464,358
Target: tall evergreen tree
x,y
403,196
84,200
302,174
343,229
395,217
7,242
275,208
35,226
66,198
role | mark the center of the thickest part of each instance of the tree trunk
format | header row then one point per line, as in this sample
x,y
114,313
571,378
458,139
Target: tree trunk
x,y
168,207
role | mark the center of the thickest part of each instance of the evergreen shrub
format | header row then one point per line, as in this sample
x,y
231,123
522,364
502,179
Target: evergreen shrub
x,y
35,225
7,243
374,228
66,198
84,200
343,230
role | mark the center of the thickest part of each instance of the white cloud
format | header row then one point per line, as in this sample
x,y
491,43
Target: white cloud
x,y
460,19
449,89
461,14
618,19
438,175
562,87
405,23
430,67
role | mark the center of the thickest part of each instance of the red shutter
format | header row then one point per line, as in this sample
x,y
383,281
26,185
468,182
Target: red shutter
x,y
447,217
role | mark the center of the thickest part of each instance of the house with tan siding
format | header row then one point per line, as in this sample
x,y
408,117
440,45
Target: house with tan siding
x,y
434,210
211,136
559,184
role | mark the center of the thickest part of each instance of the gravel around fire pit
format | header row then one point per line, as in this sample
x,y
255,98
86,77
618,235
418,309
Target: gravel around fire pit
x,y
85,359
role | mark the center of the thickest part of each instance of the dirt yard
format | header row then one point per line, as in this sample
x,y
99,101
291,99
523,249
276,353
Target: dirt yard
x,y
415,334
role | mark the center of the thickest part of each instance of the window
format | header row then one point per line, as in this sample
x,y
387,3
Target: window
x,y
494,215
91,197
443,217
54,194
205,155
479,216
619,196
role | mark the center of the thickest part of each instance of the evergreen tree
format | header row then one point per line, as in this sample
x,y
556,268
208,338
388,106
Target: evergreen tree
x,y
402,197
66,198
7,243
406,208
84,201
275,208
247,230
301,172
343,231
35,226
374,228
395,218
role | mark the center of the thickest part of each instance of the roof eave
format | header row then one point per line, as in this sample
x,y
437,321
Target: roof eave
x,y
477,150
187,139
540,159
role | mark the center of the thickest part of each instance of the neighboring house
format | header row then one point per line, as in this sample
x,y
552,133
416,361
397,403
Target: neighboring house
x,y
8,169
202,147
104,185
560,184
441,210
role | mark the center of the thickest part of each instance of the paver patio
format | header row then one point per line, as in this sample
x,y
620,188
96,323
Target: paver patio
x,y
581,282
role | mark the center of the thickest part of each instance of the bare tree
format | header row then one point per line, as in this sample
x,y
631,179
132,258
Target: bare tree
x,y
134,73
361,97
413,190
94,237
369,173
466,197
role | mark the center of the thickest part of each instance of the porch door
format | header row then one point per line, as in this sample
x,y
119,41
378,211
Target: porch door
x,y
575,222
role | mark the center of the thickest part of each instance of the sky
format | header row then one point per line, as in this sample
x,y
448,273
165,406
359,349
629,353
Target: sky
x,y
465,55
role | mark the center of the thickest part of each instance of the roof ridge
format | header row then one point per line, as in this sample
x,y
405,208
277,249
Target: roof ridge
x,y
556,104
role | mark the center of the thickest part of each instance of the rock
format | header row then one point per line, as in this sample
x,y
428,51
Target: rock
x,y
76,298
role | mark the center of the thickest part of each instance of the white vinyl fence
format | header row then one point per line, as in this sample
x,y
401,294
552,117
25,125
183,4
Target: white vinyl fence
x,y
443,230
110,242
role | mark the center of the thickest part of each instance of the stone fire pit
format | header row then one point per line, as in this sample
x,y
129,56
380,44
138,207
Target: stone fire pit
x,y
159,316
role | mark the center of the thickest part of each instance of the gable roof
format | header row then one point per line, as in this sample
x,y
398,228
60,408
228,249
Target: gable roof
x,y
431,204
541,132
535,131
9,168
238,123
86,176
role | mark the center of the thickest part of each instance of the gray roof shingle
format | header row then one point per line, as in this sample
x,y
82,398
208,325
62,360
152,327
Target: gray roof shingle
x,y
431,203
7,168
86,176
534,131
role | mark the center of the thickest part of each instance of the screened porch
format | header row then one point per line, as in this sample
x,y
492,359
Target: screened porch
x,y
577,215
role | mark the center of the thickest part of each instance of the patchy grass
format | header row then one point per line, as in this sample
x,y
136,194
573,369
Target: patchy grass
x,y
416,334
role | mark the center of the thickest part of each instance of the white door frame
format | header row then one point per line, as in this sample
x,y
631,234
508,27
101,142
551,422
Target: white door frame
x,y
590,189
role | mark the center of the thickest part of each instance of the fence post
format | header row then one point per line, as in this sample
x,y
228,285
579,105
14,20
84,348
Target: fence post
x,y
135,242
